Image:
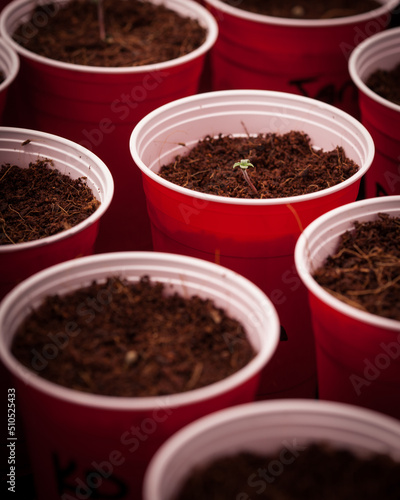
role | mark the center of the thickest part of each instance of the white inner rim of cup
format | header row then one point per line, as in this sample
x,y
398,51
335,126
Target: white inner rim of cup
x,y
19,11
188,275
9,64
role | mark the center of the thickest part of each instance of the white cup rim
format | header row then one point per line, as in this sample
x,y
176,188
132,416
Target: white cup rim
x,y
13,59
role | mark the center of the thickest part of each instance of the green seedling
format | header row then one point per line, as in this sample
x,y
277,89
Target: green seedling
x,y
244,165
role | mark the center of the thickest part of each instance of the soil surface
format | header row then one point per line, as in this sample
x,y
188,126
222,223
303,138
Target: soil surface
x,y
307,9
135,33
283,165
386,83
314,473
39,201
364,271
131,339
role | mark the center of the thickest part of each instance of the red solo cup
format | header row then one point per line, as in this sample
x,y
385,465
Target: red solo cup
x,y
21,260
380,116
253,237
358,353
9,66
282,428
84,445
97,107
303,56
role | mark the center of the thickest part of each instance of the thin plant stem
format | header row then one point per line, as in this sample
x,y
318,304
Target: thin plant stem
x,y
100,16
244,164
248,180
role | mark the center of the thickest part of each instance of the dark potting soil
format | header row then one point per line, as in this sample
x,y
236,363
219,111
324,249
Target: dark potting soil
x,y
386,83
39,201
131,339
314,473
307,9
283,165
364,271
135,33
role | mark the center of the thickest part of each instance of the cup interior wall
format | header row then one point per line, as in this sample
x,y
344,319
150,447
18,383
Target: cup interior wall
x,y
22,147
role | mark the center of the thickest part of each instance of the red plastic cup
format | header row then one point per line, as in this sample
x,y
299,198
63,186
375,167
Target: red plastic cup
x,y
380,116
282,428
98,107
92,446
358,353
21,260
303,56
9,66
253,237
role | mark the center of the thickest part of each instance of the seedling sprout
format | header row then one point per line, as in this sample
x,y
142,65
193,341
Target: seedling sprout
x,y
244,164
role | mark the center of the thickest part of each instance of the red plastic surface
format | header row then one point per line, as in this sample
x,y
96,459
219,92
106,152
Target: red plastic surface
x,y
383,123
87,452
16,265
357,363
99,111
309,61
